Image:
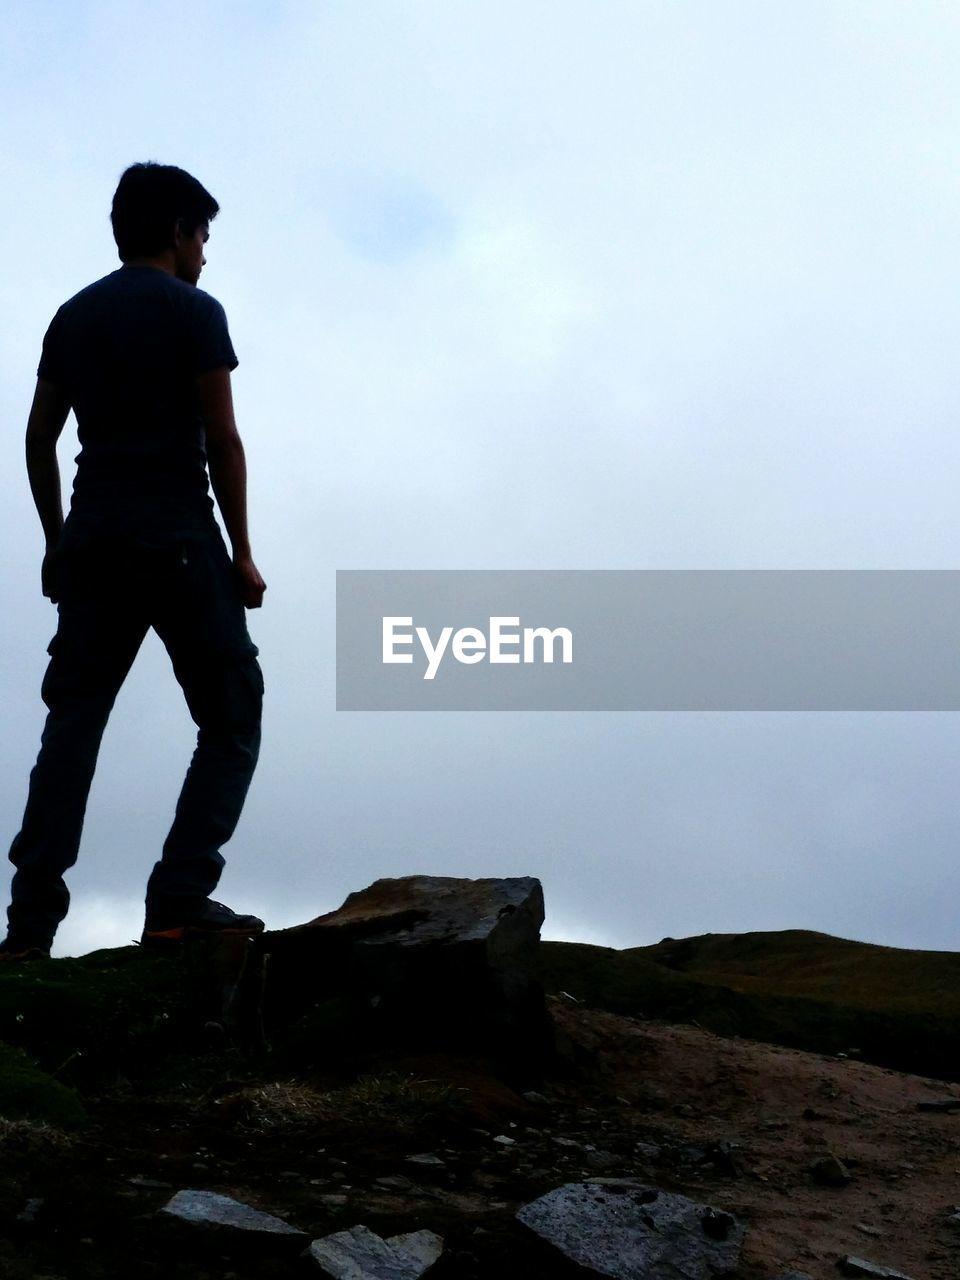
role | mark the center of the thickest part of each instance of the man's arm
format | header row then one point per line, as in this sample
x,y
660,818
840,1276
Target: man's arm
x,y
228,476
48,413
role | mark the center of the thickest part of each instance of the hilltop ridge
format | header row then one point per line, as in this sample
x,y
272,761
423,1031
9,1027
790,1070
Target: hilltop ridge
x,y
722,1067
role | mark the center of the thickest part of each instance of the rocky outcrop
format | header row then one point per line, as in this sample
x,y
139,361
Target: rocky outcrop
x,y
425,960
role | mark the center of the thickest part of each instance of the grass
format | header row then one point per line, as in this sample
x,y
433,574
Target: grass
x,y
403,1101
799,962
805,990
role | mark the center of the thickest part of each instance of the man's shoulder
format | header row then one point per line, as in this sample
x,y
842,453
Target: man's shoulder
x,y
134,305
141,284
88,293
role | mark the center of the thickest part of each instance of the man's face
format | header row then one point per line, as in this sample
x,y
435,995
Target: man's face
x,y
188,250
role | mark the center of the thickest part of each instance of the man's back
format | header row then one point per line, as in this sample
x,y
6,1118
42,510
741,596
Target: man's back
x,y
126,351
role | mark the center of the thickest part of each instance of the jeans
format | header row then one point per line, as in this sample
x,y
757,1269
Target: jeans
x,y
111,591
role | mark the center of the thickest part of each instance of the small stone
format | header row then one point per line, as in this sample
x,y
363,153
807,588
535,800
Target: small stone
x,y
151,1183
940,1104
428,1159
425,1246
831,1172
535,1099
868,1230
954,1221
853,1266
725,1156
504,1141
601,1160
332,1200
647,1150
28,1214
397,1182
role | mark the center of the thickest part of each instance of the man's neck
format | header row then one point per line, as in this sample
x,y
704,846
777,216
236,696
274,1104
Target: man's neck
x,y
163,262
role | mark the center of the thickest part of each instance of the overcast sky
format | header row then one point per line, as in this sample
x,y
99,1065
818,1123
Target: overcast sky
x,y
620,285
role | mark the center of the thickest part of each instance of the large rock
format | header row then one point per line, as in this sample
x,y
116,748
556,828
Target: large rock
x,y
630,1231
360,1254
424,959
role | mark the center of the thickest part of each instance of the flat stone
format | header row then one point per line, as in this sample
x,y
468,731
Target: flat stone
x,y
602,1160
852,1266
940,1104
628,1231
425,1246
208,1209
414,911
360,1254
396,1182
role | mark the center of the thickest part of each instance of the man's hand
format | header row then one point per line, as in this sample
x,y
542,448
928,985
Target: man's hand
x,y
48,574
48,413
252,586
228,476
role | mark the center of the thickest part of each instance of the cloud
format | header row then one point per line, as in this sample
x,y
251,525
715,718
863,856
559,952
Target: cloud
x,y
668,285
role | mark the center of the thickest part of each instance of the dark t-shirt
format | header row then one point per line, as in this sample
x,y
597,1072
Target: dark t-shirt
x,y
126,351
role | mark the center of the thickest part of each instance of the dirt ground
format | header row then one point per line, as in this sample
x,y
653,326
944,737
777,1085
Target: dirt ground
x,y
731,1123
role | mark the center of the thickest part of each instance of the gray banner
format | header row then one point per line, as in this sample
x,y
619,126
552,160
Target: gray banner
x,y
648,640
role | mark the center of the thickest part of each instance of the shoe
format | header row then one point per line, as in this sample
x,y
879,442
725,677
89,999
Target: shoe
x,y
17,949
213,918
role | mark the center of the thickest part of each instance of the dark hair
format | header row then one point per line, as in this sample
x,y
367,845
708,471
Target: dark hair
x,y
149,201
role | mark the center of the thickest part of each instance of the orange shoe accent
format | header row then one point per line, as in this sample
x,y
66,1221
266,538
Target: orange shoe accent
x,y
28,953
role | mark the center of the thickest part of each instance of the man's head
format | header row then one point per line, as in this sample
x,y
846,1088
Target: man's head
x,y
158,208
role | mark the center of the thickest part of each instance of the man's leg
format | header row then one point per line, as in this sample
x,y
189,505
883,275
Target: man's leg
x,y
203,626
95,644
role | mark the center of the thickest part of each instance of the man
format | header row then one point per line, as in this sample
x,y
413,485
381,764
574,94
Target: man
x,y
143,357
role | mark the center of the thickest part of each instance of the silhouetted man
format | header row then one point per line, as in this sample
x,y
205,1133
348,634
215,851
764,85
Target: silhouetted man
x,y
143,357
